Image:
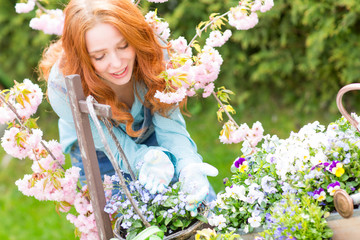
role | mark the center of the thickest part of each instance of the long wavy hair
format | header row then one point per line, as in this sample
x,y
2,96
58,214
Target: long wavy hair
x,y
82,15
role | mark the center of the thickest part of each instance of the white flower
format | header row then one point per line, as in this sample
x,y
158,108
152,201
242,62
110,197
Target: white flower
x,y
255,221
236,192
217,221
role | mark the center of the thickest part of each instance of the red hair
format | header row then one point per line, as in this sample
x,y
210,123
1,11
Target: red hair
x,y
82,15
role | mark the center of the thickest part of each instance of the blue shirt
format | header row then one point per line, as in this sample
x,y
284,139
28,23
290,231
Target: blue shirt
x,y
171,134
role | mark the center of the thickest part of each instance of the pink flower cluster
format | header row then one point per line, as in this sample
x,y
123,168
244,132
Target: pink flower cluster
x,y
160,27
25,98
19,142
189,74
85,221
25,7
171,97
216,39
51,22
49,181
244,17
232,134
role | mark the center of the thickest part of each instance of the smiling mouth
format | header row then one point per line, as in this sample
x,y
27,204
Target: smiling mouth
x,y
120,73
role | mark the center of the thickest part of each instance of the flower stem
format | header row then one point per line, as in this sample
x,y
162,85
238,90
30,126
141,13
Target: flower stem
x,y
223,107
198,33
18,118
41,7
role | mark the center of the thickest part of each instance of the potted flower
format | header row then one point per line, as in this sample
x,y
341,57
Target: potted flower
x,y
316,161
166,210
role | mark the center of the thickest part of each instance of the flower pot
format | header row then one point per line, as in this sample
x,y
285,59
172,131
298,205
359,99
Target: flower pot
x,y
343,228
181,235
185,234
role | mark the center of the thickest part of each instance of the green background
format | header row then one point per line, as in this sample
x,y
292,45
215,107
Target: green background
x,y
285,72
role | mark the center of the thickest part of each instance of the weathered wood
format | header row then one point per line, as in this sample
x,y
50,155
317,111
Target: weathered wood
x,y
100,109
88,154
343,228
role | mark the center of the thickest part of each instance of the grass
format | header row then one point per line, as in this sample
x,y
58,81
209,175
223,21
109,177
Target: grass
x,y
24,217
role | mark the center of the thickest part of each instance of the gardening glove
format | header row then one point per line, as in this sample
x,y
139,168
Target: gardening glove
x,y
194,183
156,172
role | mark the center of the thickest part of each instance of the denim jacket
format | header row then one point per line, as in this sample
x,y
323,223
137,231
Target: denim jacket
x,y
170,132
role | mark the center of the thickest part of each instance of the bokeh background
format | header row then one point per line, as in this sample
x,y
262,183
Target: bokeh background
x,y
285,72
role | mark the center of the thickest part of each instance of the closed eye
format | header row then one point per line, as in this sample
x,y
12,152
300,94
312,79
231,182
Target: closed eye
x,y
99,58
123,46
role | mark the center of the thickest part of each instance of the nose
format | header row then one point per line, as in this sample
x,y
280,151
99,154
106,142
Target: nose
x,y
116,61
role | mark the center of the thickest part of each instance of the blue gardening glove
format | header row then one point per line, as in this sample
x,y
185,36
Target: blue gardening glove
x,y
157,171
194,183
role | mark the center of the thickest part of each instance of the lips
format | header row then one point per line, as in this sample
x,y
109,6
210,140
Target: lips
x,y
120,74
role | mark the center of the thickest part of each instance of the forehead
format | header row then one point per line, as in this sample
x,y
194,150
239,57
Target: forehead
x,y
102,36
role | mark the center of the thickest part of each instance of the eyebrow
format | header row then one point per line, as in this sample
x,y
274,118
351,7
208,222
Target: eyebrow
x,y
101,50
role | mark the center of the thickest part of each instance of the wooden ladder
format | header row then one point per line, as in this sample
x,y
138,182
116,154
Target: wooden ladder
x,y
88,153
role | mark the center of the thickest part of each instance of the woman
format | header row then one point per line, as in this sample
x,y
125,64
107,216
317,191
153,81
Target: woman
x,y
119,59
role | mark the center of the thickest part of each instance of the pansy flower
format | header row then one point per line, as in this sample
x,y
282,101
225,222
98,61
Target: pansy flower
x,y
320,194
241,164
336,168
332,187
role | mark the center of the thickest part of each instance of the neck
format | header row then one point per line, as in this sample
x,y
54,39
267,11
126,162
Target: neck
x,y
125,93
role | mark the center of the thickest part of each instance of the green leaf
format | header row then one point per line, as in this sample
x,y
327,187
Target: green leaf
x,y
201,218
137,224
167,220
178,223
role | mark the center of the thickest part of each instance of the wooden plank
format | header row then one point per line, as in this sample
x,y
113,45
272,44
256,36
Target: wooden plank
x,y
100,109
88,154
345,228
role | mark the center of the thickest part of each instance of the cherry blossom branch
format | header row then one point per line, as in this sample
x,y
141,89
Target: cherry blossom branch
x,y
41,7
223,107
198,33
11,107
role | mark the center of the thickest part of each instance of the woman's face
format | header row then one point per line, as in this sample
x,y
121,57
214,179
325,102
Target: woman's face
x,y
111,55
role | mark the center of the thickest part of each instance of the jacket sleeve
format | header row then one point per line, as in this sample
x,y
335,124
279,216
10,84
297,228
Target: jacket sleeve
x,y
59,101
172,135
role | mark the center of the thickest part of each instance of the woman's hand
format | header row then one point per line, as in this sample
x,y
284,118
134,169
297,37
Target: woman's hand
x,y
194,182
157,171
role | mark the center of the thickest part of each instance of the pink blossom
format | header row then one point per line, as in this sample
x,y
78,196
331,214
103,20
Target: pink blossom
x,y
25,7
81,204
238,18
31,97
228,128
216,39
26,109
6,115
239,134
35,138
14,142
50,23
190,92
160,27
208,89
171,97
38,186
86,225
180,46
108,187
262,5
54,147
